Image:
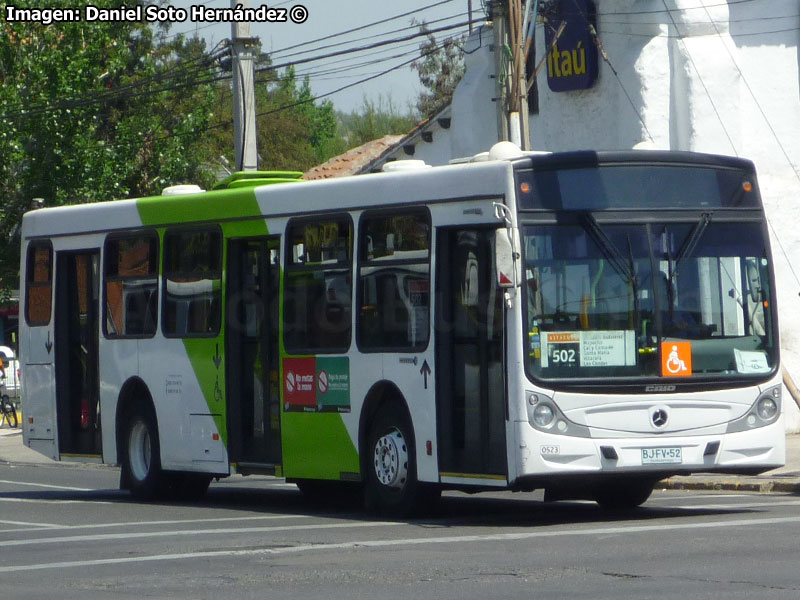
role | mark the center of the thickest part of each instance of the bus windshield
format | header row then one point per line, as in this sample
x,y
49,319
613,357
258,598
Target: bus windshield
x,y
648,300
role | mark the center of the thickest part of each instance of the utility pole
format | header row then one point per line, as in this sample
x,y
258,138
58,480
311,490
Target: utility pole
x,y
512,89
244,102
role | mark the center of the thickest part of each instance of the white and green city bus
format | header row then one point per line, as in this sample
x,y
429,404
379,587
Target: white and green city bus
x,y
586,323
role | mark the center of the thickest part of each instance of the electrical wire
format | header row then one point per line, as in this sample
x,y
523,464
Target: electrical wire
x,y
705,88
774,135
367,26
129,91
370,37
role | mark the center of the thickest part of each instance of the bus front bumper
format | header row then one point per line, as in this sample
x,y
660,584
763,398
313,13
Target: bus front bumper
x,y
543,457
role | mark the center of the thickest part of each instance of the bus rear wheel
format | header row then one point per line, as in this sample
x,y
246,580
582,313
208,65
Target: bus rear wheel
x,y
141,466
392,486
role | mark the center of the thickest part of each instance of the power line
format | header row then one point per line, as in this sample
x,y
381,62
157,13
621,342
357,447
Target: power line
x,y
178,70
683,36
362,27
229,122
129,91
676,9
774,135
705,88
369,37
711,21
364,48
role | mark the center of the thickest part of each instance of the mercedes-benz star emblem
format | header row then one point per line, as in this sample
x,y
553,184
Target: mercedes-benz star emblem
x,y
660,417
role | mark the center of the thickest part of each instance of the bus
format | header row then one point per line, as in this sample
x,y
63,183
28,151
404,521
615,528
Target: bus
x,y
586,323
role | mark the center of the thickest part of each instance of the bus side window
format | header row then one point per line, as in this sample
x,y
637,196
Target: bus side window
x,y
192,282
131,285
39,284
394,281
318,286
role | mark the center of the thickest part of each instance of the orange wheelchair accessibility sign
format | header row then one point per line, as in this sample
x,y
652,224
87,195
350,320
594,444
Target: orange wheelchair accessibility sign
x,y
676,359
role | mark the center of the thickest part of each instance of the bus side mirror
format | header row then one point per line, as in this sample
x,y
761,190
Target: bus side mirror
x,y
508,266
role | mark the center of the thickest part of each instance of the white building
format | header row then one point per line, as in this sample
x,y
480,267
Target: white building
x,y
705,75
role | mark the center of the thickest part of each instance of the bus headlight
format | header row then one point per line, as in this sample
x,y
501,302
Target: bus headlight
x,y
543,415
767,408
764,411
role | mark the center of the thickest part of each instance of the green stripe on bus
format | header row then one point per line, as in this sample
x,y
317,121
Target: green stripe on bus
x,y
207,206
317,446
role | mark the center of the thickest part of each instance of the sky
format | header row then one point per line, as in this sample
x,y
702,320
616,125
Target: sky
x,y
329,17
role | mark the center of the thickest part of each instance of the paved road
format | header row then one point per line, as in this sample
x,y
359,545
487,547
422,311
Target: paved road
x,y
67,532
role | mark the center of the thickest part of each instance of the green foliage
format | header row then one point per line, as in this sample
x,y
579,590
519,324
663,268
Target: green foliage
x,y
375,120
91,112
293,131
440,68
102,111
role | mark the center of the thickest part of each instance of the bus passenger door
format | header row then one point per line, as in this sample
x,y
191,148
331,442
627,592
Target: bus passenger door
x,y
76,352
471,404
252,352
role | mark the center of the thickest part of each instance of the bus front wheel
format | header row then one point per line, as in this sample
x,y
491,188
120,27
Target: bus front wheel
x,y
624,493
141,468
392,486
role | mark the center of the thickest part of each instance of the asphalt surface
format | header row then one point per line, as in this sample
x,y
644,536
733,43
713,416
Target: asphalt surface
x,y
783,480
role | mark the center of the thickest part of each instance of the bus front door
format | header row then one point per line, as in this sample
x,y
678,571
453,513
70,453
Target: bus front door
x,y
471,405
76,352
252,352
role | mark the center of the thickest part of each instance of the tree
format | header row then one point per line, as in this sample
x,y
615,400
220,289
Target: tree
x,y
440,68
374,120
294,132
94,111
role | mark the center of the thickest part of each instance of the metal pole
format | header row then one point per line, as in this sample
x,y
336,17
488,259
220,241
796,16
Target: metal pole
x,y
244,103
469,11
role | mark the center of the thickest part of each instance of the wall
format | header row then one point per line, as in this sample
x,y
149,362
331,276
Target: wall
x,y
706,76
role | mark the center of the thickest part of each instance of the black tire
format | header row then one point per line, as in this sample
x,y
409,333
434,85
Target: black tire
x,y
392,487
10,413
624,493
188,487
141,461
338,494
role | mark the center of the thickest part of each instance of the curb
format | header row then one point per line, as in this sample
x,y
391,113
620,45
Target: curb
x,y
762,487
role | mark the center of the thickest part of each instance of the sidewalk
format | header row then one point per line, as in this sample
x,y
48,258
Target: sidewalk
x,y
784,480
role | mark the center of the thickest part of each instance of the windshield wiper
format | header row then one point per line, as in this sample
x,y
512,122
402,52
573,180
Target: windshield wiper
x,y
621,263
691,241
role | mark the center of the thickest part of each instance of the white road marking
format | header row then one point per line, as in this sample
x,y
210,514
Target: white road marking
x,y
34,525
42,501
53,526
45,485
501,537
129,535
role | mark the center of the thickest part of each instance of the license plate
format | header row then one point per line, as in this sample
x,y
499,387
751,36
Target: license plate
x,y
662,456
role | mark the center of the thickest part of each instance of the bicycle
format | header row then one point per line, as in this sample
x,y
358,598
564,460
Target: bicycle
x,y
8,414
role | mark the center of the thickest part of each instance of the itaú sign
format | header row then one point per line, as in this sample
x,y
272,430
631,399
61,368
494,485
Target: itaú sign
x,y
572,56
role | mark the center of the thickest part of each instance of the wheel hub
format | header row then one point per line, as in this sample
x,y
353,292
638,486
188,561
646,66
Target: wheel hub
x,y
391,460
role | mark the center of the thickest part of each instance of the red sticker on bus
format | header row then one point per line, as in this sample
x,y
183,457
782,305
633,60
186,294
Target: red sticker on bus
x,y
299,382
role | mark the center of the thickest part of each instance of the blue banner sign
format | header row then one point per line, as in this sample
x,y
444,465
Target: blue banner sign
x,y
572,57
